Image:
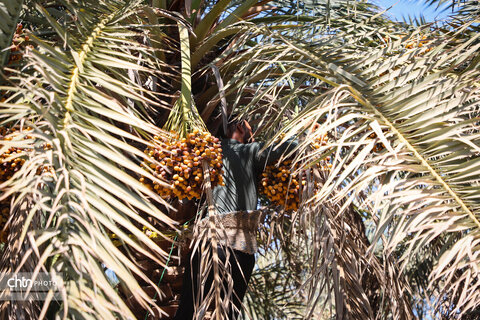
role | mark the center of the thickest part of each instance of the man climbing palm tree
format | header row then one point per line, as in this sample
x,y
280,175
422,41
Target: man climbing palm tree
x,y
236,214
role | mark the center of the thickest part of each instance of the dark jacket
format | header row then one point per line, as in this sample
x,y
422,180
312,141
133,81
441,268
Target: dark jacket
x,y
243,164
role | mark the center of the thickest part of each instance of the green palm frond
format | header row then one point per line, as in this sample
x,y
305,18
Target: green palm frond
x,y
9,13
82,101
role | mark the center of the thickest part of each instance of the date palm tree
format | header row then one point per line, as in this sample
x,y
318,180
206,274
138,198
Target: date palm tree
x,y
393,226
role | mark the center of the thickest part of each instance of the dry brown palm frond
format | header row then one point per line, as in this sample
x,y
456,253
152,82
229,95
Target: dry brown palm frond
x,y
336,272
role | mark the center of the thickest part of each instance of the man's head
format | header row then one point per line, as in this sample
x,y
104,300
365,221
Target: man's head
x,y
240,130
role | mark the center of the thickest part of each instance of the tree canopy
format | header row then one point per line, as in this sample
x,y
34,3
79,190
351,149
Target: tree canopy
x,y
388,223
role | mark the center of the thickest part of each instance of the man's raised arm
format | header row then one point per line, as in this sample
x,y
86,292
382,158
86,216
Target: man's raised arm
x,y
272,153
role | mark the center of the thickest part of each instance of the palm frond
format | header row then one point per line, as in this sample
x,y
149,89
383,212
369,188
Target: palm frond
x,y
83,103
9,13
401,110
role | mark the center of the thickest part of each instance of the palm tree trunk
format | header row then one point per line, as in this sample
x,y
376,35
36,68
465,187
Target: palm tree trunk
x,y
170,280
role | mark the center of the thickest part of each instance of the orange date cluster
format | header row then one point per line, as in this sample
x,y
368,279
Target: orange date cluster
x,y
11,161
179,164
282,183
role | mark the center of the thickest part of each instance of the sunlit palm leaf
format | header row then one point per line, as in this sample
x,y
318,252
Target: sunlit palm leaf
x,y
402,114
421,105
84,105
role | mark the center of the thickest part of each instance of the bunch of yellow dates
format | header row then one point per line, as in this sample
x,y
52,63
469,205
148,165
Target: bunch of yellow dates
x,y
179,164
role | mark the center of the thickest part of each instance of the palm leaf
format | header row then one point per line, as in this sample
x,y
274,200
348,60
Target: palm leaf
x,y
9,13
423,183
84,105
419,103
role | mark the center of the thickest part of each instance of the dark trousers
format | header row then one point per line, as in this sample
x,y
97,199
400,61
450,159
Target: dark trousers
x,y
241,270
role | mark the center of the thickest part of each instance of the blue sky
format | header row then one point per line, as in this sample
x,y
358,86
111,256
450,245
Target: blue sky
x,y
412,8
